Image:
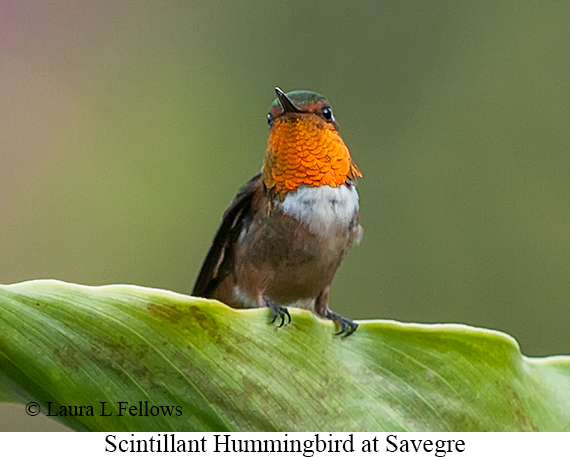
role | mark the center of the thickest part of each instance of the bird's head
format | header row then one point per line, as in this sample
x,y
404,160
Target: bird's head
x,y
304,146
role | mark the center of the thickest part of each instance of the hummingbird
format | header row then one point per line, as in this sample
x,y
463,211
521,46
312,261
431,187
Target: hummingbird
x,y
289,227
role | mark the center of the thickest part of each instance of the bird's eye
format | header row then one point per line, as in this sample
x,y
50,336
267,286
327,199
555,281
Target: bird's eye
x,y
270,119
327,113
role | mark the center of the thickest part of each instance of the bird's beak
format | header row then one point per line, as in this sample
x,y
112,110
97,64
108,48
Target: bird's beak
x,y
287,104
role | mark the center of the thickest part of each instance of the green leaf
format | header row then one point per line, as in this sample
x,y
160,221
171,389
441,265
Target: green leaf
x,y
231,370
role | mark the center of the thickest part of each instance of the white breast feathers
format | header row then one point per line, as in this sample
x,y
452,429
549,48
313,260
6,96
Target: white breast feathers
x,y
322,209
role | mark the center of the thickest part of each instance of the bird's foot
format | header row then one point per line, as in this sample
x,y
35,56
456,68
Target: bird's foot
x,y
277,310
347,327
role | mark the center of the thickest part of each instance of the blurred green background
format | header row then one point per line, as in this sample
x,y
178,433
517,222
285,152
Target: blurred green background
x,y
127,126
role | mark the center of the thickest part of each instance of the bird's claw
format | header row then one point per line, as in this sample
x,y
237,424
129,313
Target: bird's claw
x,y
347,327
280,311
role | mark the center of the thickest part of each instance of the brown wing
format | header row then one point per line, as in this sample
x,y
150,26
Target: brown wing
x,y
215,266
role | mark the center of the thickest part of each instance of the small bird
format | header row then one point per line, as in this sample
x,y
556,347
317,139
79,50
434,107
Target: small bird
x,y
289,227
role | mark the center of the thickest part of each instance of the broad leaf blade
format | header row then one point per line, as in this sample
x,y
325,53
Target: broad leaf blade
x,y
231,370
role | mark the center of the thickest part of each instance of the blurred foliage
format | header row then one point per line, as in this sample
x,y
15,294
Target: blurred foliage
x,y
127,127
